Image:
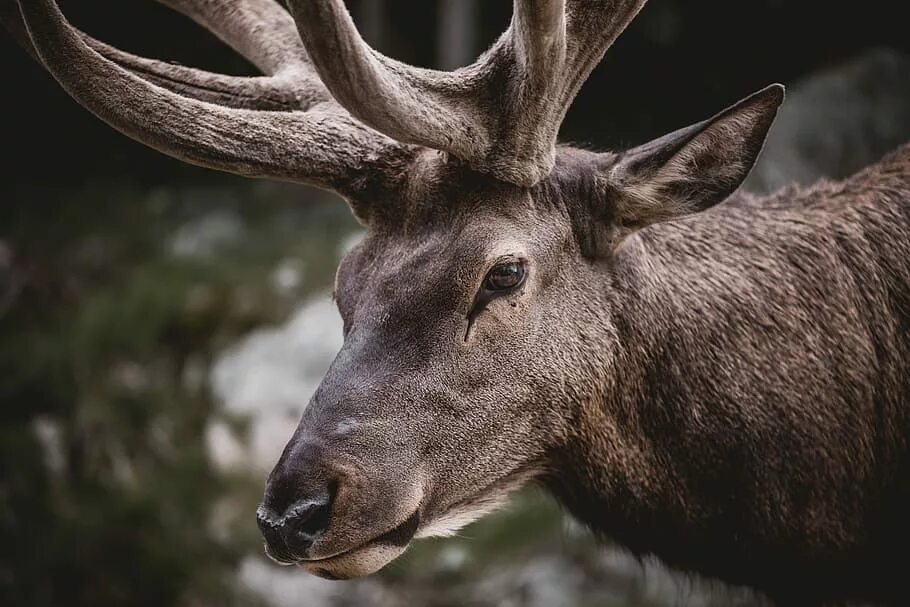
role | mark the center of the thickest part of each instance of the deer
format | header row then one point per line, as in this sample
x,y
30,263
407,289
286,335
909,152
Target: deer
x,y
714,378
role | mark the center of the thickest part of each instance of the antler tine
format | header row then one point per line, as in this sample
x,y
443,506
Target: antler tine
x,y
539,36
260,93
283,92
592,28
502,114
398,100
323,147
260,30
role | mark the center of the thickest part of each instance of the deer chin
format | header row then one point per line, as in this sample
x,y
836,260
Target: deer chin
x,y
367,558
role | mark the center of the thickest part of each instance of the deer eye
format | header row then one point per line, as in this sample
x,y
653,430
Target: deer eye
x,y
505,276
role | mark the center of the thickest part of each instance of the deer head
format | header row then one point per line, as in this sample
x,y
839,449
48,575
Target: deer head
x,y
479,310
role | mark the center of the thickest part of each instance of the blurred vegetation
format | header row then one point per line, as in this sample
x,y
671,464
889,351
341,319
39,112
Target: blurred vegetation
x,y
108,328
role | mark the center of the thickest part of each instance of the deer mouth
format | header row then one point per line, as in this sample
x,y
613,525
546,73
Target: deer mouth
x,y
367,557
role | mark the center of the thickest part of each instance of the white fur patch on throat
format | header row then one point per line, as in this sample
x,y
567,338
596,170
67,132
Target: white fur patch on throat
x,y
458,517
461,515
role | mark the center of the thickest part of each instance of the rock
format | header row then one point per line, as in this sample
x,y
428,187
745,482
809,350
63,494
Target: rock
x,y
837,122
269,377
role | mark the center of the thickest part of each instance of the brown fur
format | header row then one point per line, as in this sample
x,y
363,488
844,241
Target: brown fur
x,y
753,419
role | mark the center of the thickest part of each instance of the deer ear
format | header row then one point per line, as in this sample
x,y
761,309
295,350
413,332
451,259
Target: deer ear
x,y
693,168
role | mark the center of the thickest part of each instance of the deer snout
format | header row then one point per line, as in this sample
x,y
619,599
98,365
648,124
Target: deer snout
x,y
297,507
344,499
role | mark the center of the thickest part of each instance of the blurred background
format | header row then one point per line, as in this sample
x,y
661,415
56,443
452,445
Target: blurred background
x,y
162,326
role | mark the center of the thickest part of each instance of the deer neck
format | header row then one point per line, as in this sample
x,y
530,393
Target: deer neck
x,y
626,480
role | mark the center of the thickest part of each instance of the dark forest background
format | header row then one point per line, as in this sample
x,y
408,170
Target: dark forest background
x,y
133,289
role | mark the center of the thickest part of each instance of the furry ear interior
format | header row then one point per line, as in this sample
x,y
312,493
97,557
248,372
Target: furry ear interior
x,y
694,168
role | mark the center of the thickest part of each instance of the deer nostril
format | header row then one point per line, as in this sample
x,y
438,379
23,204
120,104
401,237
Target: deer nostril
x,y
290,534
309,518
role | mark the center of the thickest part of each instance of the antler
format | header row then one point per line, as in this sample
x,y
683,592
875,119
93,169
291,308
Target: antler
x,y
201,117
501,114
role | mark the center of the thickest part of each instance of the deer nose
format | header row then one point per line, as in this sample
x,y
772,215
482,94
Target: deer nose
x,y
290,534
